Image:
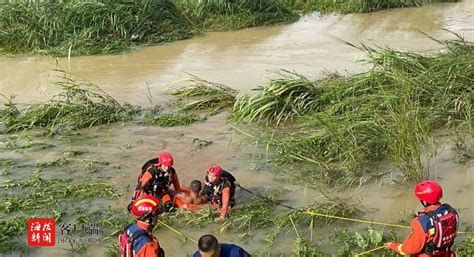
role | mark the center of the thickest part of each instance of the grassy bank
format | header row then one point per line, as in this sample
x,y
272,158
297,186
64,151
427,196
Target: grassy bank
x,y
102,27
94,27
223,15
87,27
352,6
343,123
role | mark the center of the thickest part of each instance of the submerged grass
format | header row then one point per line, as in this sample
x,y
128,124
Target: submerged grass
x,y
172,119
20,146
348,121
301,217
78,105
352,6
38,197
37,193
252,215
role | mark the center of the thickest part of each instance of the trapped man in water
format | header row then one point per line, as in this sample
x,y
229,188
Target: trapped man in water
x,y
192,199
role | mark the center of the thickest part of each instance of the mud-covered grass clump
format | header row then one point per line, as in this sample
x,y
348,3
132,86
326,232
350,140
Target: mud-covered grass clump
x,y
352,6
87,27
77,105
172,119
204,96
347,122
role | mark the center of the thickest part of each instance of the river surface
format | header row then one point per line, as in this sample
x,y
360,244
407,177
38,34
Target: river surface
x,y
243,60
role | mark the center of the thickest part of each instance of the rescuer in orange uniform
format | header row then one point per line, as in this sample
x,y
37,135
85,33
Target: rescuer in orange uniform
x,y
434,229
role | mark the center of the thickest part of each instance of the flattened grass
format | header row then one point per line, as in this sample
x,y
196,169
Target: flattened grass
x,y
78,105
172,119
38,197
203,95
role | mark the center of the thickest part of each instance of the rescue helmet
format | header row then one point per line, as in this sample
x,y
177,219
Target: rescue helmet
x,y
165,159
215,170
429,191
145,207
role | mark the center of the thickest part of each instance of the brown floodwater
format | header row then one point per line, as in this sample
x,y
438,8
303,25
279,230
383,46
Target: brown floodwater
x,y
243,60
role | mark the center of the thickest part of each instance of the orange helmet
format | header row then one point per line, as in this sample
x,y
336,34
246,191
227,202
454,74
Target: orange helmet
x,y
144,207
165,159
215,170
429,191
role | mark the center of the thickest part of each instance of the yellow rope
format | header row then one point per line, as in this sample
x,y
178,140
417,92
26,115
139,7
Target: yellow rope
x,y
312,213
176,231
369,251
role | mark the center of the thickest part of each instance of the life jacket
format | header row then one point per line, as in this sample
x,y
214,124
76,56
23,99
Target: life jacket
x,y
160,182
214,192
440,226
133,238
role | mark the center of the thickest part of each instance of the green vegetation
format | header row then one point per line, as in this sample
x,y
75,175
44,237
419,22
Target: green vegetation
x,y
90,162
78,105
87,27
463,150
98,27
255,214
20,146
234,14
352,6
38,197
52,163
101,27
172,119
466,247
205,95
6,162
343,244
342,123
303,217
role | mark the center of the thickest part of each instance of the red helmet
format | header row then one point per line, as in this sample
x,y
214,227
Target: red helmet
x,y
166,159
143,206
429,191
215,169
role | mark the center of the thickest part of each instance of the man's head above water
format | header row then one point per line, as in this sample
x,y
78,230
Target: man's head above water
x,y
209,246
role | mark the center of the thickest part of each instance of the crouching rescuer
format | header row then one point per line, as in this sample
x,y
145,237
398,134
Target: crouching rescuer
x,y
137,240
434,229
156,179
220,189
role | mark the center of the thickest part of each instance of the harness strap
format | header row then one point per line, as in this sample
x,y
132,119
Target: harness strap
x,y
137,234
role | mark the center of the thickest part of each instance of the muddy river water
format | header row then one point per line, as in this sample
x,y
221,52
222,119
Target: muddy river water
x,y
243,60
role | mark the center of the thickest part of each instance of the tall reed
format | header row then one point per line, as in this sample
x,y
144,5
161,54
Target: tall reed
x,y
387,112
